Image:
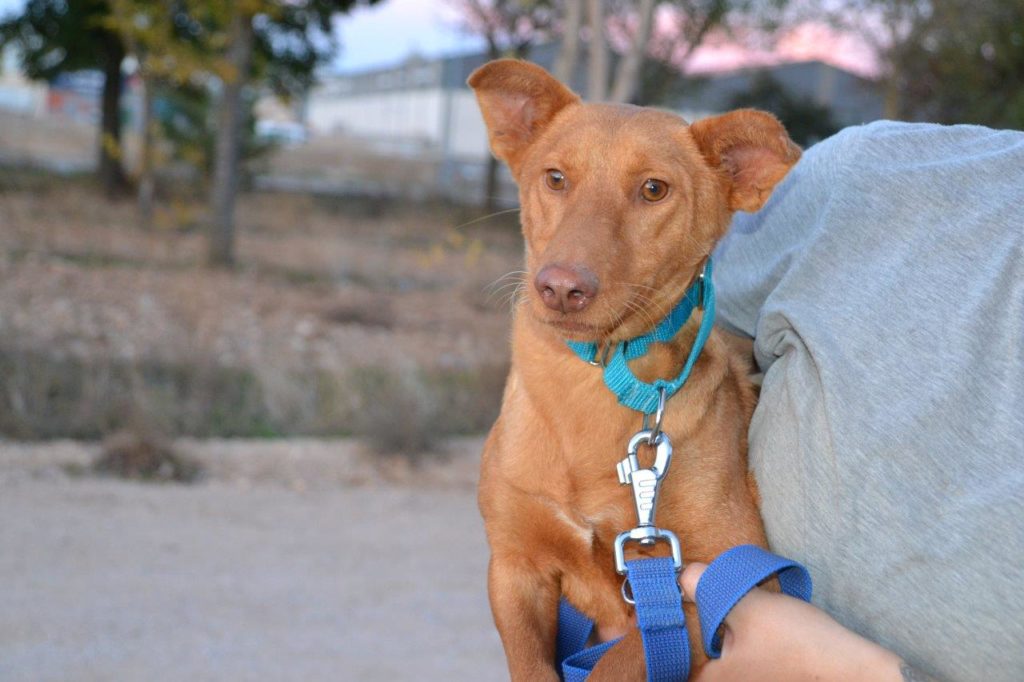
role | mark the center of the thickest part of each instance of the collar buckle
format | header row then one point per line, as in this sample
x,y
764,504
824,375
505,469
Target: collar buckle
x,y
702,286
602,354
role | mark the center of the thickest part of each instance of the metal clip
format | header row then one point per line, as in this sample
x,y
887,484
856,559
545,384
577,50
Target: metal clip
x,y
646,535
702,286
658,417
646,484
602,354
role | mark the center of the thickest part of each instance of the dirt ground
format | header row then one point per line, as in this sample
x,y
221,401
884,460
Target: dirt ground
x,y
292,560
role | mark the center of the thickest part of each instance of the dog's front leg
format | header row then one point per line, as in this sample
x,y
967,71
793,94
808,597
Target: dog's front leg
x,y
524,601
624,662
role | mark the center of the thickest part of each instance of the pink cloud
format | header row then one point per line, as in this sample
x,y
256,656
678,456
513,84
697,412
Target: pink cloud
x,y
806,42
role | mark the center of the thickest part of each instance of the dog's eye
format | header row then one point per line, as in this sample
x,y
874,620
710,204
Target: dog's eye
x,y
654,190
555,179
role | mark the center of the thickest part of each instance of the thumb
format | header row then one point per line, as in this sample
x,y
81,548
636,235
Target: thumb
x,y
689,579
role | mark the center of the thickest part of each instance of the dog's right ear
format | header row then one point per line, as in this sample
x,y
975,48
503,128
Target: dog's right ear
x,y
517,100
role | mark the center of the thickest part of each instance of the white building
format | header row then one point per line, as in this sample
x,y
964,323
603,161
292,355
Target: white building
x,y
422,109
17,93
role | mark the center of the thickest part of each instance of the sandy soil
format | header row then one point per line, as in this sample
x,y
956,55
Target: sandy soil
x,y
293,560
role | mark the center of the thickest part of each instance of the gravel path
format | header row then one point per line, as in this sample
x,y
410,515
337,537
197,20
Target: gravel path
x,y
258,580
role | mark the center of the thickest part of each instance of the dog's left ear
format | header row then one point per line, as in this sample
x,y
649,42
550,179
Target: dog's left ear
x,y
518,99
752,149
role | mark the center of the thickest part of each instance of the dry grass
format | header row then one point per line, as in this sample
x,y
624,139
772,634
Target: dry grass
x,y
99,319
145,458
48,139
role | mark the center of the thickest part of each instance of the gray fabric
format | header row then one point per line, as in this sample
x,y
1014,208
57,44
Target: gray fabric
x,y
884,287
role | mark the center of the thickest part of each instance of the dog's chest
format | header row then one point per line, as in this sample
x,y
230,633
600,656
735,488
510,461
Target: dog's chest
x,y
592,513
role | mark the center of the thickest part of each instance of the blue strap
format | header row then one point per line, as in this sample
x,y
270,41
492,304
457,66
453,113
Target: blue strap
x,y
733,574
618,377
660,615
575,661
577,668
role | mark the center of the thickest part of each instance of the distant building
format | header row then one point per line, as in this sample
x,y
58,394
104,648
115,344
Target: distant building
x,y
76,95
419,106
17,93
850,98
423,109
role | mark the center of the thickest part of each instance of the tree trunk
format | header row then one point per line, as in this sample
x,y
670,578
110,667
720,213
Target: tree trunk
x,y
111,173
597,75
491,189
490,203
565,67
229,141
892,108
627,76
147,181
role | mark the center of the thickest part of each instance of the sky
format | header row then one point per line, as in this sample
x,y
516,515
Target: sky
x,y
383,34
392,30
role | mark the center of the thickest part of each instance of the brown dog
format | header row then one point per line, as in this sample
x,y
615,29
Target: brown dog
x,y
620,208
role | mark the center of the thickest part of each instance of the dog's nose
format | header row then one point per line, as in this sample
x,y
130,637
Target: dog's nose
x,y
569,289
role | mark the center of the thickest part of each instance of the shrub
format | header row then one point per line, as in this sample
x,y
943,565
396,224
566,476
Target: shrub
x,y
144,457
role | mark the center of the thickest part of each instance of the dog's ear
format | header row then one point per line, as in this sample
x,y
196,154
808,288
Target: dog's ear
x,y
517,100
752,149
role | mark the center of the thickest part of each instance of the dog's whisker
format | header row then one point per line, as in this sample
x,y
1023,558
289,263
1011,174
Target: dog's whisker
x,y
503,290
515,298
641,311
510,281
486,217
514,275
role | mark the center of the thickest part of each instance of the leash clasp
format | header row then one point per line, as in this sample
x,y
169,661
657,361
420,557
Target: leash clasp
x,y
646,483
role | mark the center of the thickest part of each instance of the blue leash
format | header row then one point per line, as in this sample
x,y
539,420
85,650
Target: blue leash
x,y
660,613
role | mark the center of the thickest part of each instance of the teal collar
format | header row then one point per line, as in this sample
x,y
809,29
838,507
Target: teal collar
x,y
639,395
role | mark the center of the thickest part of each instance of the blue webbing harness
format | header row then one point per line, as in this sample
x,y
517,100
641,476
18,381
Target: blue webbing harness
x,y
654,581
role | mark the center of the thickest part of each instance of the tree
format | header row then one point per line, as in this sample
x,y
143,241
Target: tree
x,y
57,36
631,26
279,42
597,51
168,40
628,73
509,28
805,121
889,27
565,66
950,61
965,64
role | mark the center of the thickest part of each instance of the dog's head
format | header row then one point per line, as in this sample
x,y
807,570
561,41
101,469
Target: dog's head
x,y
620,205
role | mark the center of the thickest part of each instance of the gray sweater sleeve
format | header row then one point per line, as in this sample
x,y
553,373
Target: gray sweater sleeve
x,y
884,286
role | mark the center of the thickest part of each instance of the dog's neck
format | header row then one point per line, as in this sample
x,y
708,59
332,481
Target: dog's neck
x,y
662,361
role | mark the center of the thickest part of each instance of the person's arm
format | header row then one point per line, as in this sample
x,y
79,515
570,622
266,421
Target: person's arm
x,y
770,636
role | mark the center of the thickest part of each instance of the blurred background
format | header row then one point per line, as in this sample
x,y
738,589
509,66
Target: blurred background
x,y
260,247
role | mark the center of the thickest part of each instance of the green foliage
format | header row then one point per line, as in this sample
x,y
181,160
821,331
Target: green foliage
x,y
293,38
55,36
806,121
948,61
965,64
183,114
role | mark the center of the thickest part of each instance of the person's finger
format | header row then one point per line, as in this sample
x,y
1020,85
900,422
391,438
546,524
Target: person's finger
x,y
689,579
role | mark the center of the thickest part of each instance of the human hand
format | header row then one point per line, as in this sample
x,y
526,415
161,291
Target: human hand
x,y
771,636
